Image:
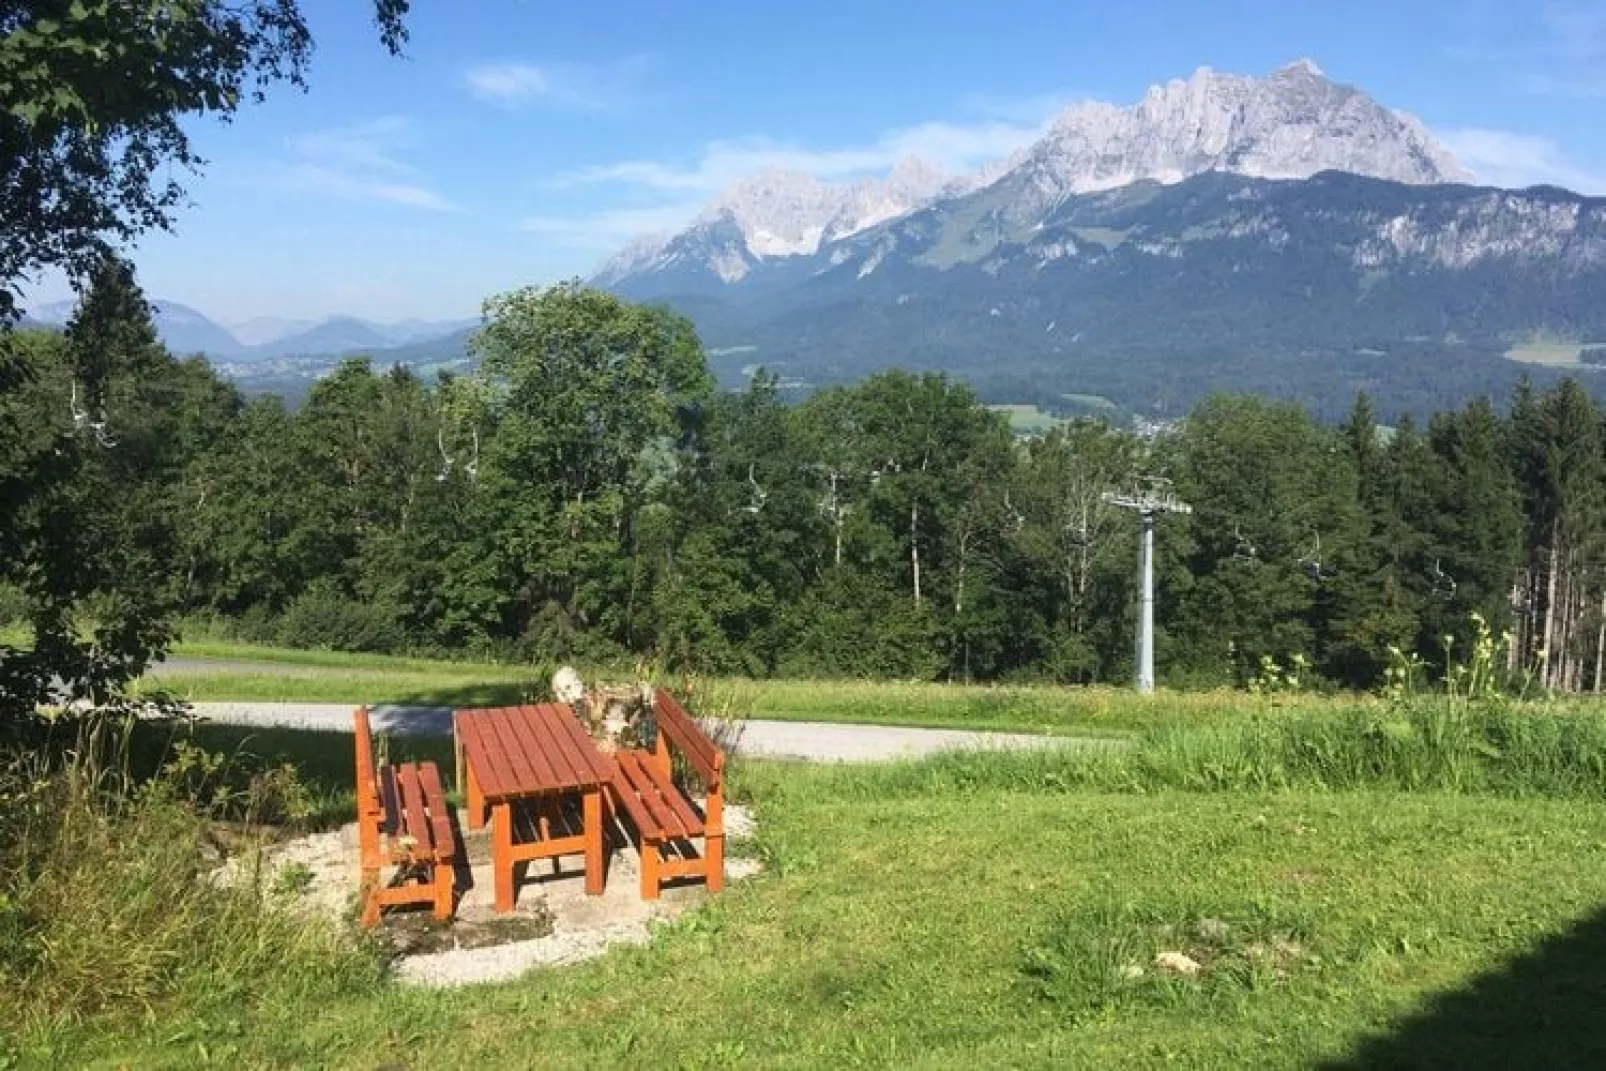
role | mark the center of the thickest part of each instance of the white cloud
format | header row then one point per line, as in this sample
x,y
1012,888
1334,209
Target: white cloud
x,y
1506,158
1030,110
666,195
508,83
581,87
954,146
362,162
608,229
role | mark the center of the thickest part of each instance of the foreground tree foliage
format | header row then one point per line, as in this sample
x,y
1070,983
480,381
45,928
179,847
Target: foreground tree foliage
x,y
100,440
98,429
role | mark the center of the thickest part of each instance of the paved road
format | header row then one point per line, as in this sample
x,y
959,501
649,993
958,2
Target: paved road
x,y
812,741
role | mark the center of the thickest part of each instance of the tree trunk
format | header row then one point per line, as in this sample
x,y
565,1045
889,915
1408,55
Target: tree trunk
x,y
1519,598
1546,654
914,547
837,511
1600,641
959,577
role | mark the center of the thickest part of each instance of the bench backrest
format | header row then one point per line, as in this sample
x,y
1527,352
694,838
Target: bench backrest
x,y
367,770
370,812
681,729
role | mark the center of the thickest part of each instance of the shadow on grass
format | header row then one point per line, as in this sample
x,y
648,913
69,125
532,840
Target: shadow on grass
x,y
485,694
1542,1009
324,760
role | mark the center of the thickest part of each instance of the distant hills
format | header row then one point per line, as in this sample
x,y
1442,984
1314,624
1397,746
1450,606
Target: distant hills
x,y
185,331
1285,235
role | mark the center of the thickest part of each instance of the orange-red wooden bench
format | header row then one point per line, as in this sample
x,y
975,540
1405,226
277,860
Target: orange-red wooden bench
x,y
403,822
665,817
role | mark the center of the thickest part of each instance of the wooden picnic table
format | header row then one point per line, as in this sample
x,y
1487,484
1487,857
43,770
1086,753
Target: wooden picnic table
x,y
537,754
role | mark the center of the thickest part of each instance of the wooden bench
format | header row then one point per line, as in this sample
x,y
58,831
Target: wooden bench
x,y
664,815
403,821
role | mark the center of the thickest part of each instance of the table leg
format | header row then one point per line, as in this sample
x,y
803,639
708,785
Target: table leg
x,y
593,837
475,802
457,756
502,854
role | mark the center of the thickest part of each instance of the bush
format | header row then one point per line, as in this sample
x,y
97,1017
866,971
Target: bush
x,y
853,628
323,617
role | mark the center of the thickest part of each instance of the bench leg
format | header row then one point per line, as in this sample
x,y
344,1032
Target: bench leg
x,y
368,895
444,876
714,856
651,857
593,833
502,855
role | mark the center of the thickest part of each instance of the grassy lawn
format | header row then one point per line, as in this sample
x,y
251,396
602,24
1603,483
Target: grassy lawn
x,y
272,674
901,925
455,689
335,677
1028,419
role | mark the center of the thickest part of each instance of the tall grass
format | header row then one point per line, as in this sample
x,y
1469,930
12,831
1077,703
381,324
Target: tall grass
x,y
1464,733
109,901
1426,744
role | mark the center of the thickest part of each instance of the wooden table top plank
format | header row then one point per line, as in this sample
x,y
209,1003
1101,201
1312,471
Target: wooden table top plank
x,y
524,735
602,766
596,764
539,739
503,737
507,773
564,745
529,751
484,755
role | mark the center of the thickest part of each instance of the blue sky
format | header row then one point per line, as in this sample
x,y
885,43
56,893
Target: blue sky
x,y
521,141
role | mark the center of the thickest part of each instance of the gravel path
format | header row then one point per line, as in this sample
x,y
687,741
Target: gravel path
x,y
810,741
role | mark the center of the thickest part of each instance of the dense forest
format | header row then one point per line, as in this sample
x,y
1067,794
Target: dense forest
x,y
590,495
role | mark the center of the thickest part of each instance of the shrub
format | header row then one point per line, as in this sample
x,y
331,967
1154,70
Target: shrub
x,y
323,617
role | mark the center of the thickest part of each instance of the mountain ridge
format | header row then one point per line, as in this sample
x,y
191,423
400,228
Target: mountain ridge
x,y
1292,123
185,331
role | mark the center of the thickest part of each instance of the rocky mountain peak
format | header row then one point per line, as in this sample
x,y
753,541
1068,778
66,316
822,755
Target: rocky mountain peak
x,y
1293,123
1302,66
781,213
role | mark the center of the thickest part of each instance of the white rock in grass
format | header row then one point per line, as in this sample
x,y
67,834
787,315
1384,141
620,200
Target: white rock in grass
x,y
567,687
1177,963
